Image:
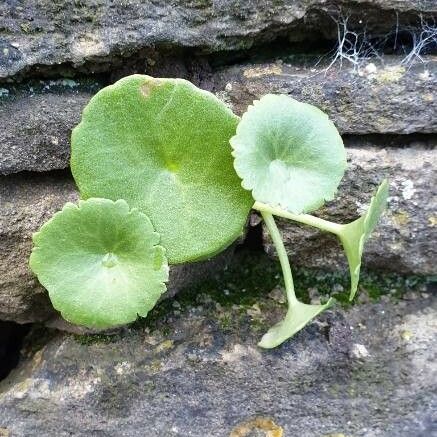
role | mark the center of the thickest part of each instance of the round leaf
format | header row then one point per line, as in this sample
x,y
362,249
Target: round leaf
x,y
289,154
163,146
100,263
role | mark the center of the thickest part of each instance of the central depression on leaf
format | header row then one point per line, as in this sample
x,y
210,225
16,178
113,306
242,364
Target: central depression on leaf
x,y
289,154
163,146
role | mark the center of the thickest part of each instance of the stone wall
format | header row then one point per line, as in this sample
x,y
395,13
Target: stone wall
x,y
193,367
55,55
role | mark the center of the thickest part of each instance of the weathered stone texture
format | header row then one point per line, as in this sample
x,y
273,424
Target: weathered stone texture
x,y
35,130
385,98
40,35
366,372
404,240
36,124
26,202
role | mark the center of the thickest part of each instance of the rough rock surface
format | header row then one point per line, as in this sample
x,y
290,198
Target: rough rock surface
x,y
36,124
382,98
192,368
39,35
37,121
367,372
26,202
404,240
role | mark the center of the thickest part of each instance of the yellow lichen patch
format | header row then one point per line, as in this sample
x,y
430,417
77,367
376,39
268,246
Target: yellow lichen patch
x,y
390,74
258,423
401,218
428,97
262,71
164,346
239,354
432,220
88,45
4,432
406,335
25,27
154,367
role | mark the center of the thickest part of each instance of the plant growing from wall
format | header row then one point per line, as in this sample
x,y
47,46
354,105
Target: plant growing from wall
x,y
100,262
158,163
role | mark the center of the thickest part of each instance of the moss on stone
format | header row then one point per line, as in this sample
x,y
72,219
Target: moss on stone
x,y
88,339
242,295
62,85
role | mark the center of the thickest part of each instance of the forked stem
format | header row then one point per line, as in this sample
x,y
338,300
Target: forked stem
x,y
306,219
282,255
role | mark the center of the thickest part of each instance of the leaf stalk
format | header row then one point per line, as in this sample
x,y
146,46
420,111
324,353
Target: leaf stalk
x,y
283,257
306,219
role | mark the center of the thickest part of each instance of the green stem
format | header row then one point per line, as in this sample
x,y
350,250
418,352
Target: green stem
x,y
282,255
306,219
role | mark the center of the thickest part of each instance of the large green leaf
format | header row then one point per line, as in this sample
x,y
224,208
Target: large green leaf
x,y
288,153
100,263
354,235
298,316
163,146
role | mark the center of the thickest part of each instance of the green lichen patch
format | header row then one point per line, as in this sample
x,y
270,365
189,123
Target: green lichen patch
x,y
248,295
252,286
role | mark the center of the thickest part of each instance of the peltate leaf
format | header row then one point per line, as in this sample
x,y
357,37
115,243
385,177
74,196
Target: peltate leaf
x,y
100,262
298,316
288,153
163,146
354,235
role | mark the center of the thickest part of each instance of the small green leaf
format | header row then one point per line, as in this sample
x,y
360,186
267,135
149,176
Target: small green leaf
x,y
100,263
354,235
298,316
163,146
289,154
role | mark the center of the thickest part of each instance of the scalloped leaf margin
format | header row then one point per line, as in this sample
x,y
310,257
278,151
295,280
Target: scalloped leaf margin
x,y
289,154
100,262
